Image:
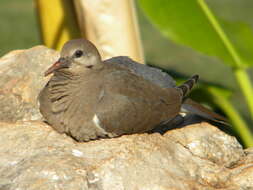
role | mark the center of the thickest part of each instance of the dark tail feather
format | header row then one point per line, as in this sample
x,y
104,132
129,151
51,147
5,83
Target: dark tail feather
x,y
186,87
192,107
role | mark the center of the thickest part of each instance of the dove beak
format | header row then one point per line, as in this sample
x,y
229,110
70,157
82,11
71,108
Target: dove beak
x,y
61,63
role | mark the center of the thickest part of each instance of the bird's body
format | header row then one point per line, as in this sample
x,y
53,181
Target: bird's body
x,y
87,98
109,101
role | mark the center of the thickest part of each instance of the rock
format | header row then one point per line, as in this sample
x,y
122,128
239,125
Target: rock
x,y
34,156
199,156
21,80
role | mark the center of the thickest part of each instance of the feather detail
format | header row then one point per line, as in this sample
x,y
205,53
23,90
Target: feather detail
x,y
61,88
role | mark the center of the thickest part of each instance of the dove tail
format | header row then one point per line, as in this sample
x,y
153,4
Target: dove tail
x,y
186,87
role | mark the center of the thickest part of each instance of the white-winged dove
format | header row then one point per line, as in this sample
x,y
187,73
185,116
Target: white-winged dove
x,y
88,98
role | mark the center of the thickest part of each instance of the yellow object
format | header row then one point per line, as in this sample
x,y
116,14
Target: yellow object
x,y
58,22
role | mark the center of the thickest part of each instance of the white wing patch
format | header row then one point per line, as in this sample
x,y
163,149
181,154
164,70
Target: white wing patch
x,y
100,128
96,121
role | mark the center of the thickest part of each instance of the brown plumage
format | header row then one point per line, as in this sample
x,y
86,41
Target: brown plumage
x,y
87,98
164,80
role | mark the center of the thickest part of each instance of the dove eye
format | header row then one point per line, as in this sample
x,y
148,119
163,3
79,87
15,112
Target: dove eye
x,y
78,53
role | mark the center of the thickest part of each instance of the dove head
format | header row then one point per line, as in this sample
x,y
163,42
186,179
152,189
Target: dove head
x,y
76,56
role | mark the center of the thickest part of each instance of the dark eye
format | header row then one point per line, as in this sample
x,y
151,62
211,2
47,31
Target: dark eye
x,y
78,53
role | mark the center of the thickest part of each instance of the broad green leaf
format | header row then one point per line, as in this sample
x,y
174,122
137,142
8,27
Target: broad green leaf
x,y
242,37
191,23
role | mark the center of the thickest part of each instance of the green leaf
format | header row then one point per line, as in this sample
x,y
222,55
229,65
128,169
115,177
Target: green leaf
x,y
241,35
191,23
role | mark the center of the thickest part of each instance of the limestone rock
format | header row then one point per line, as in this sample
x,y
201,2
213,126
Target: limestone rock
x,y
21,80
197,157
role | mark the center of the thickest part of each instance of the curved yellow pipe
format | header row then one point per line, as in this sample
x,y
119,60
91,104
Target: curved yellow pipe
x,y
58,22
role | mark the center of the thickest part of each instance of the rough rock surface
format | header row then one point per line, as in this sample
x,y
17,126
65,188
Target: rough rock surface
x,y
34,156
21,80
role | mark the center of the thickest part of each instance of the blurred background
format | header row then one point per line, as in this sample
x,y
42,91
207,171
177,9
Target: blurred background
x,y
184,38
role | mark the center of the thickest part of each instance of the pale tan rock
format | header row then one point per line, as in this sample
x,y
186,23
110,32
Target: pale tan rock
x,y
200,156
21,79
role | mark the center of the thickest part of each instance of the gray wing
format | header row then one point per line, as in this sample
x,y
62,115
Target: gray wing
x,y
132,105
154,75
164,80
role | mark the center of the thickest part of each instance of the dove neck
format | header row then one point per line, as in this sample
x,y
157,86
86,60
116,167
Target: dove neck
x,y
64,74
65,78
